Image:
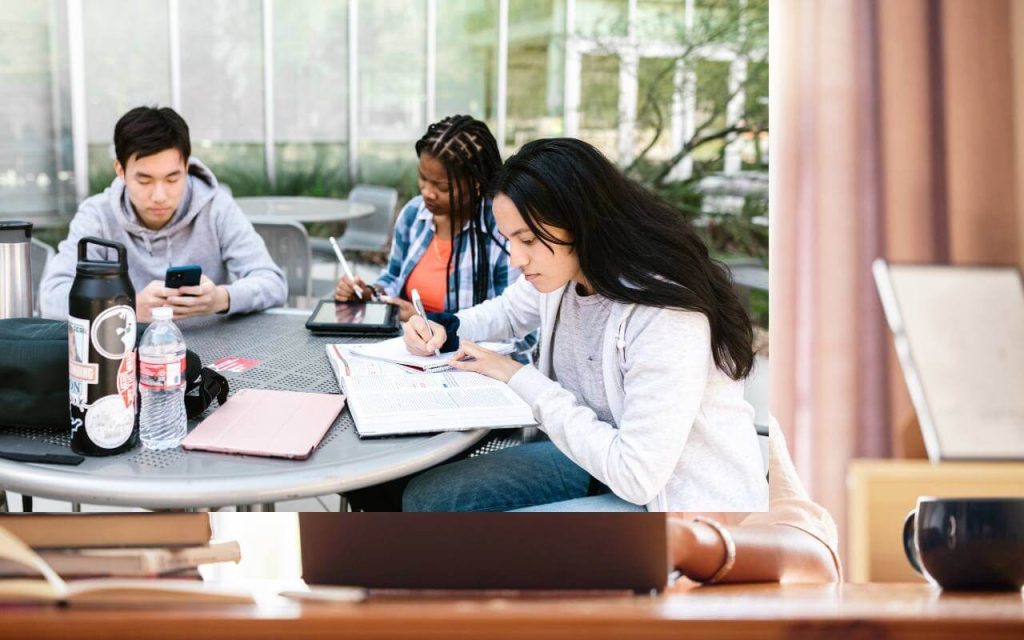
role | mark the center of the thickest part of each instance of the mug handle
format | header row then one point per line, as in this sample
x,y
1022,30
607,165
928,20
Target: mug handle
x,y
909,545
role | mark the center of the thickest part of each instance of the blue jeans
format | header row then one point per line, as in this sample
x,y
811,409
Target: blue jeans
x,y
606,502
529,475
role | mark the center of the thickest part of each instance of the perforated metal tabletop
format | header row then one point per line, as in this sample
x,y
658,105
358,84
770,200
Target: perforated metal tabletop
x,y
290,358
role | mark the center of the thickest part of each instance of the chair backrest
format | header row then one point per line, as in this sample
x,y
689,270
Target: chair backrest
x,y
288,245
39,254
378,224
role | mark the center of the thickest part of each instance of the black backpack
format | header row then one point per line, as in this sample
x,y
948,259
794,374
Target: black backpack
x,y
34,375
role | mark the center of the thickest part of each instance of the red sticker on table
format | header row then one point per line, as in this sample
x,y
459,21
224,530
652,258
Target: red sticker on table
x,y
234,364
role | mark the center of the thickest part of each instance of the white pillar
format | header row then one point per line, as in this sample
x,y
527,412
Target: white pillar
x,y
573,67
684,103
353,90
76,63
502,106
174,51
268,92
430,106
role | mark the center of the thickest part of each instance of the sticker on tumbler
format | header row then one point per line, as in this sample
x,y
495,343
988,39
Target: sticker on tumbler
x,y
126,380
109,423
82,372
113,332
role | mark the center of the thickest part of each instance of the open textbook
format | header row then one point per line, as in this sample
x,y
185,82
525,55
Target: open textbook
x,y
103,591
388,399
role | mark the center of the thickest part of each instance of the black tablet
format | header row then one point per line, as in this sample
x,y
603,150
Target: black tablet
x,y
354,318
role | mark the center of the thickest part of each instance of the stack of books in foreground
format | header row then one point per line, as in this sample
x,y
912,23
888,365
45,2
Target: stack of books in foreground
x,y
117,544
112,557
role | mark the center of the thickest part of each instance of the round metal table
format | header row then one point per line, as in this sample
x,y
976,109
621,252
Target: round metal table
x,y
290,358
303,209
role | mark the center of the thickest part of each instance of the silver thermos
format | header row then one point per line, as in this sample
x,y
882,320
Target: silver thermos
x,y
15,269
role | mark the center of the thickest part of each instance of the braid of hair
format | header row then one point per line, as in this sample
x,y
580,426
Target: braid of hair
x,y
470,155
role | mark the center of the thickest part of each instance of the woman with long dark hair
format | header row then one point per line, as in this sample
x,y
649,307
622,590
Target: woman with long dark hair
x,y
445,244
644,348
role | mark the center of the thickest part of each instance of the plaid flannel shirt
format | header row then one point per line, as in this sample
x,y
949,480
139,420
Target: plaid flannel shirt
x,y
414,229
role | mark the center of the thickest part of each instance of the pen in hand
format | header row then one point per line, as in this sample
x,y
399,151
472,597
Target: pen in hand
x,y
344,266
417,303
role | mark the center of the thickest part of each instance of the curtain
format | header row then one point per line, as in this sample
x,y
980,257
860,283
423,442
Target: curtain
x,y
894,134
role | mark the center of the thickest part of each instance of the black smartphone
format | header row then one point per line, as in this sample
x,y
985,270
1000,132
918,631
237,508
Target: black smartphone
x,y
185,275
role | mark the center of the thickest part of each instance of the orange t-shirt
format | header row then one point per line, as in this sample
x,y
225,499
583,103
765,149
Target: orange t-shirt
x,y
430,275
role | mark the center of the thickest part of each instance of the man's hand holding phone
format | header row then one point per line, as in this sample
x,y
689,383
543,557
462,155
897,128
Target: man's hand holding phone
x,y
186,291
154,295
200,300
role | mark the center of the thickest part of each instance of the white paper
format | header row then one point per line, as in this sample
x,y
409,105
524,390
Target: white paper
x,y
394,350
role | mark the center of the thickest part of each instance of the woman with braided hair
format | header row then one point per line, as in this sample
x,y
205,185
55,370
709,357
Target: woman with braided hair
x,y
446,244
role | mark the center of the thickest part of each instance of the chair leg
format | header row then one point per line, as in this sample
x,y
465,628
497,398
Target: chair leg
x,y
343,504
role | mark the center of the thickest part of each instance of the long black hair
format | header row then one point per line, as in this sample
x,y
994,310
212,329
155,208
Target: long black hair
x,y
470,155
632,246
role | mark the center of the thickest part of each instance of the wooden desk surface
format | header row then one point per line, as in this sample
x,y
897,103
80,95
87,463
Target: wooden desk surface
x,y
748,611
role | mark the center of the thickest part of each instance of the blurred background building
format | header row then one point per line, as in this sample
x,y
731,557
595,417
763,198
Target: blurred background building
x,y
310,97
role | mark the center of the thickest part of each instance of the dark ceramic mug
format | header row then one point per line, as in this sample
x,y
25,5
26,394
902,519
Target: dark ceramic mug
x,y
967,543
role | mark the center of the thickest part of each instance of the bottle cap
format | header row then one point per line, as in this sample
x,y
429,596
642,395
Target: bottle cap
x,y
163,313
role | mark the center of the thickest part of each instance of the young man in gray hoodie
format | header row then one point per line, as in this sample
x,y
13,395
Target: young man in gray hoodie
x,y
166,209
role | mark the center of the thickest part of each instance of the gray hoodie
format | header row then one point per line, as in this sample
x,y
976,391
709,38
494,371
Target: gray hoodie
x,y
207,229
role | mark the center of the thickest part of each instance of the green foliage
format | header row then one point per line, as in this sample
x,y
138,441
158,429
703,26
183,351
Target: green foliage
x,y
51,235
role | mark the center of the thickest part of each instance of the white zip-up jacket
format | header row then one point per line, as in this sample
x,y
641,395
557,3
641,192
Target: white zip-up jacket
x,y
683,438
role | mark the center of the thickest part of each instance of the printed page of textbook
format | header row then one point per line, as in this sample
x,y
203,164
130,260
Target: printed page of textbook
x,y
387,399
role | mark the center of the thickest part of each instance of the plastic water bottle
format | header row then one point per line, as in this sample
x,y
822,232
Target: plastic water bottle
x,y
162,422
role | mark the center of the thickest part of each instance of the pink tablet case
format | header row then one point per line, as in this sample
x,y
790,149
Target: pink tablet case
x,y
260,422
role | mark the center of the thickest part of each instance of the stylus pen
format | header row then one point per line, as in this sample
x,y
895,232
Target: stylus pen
x,y
344,265
417,303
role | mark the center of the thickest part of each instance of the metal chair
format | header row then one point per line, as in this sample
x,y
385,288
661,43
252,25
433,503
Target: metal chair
x,y
288,245
39,254
372,233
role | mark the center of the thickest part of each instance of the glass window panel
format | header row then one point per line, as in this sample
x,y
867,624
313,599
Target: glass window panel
x,y
392,90
390,163
654,108
35,137
467,59
119,78
222,85
311,100
599,102
310,71
536,71
392,69
712,98
661,20
127,61
601,18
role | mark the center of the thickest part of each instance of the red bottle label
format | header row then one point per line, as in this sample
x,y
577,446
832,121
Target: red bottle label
x,y
161,375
